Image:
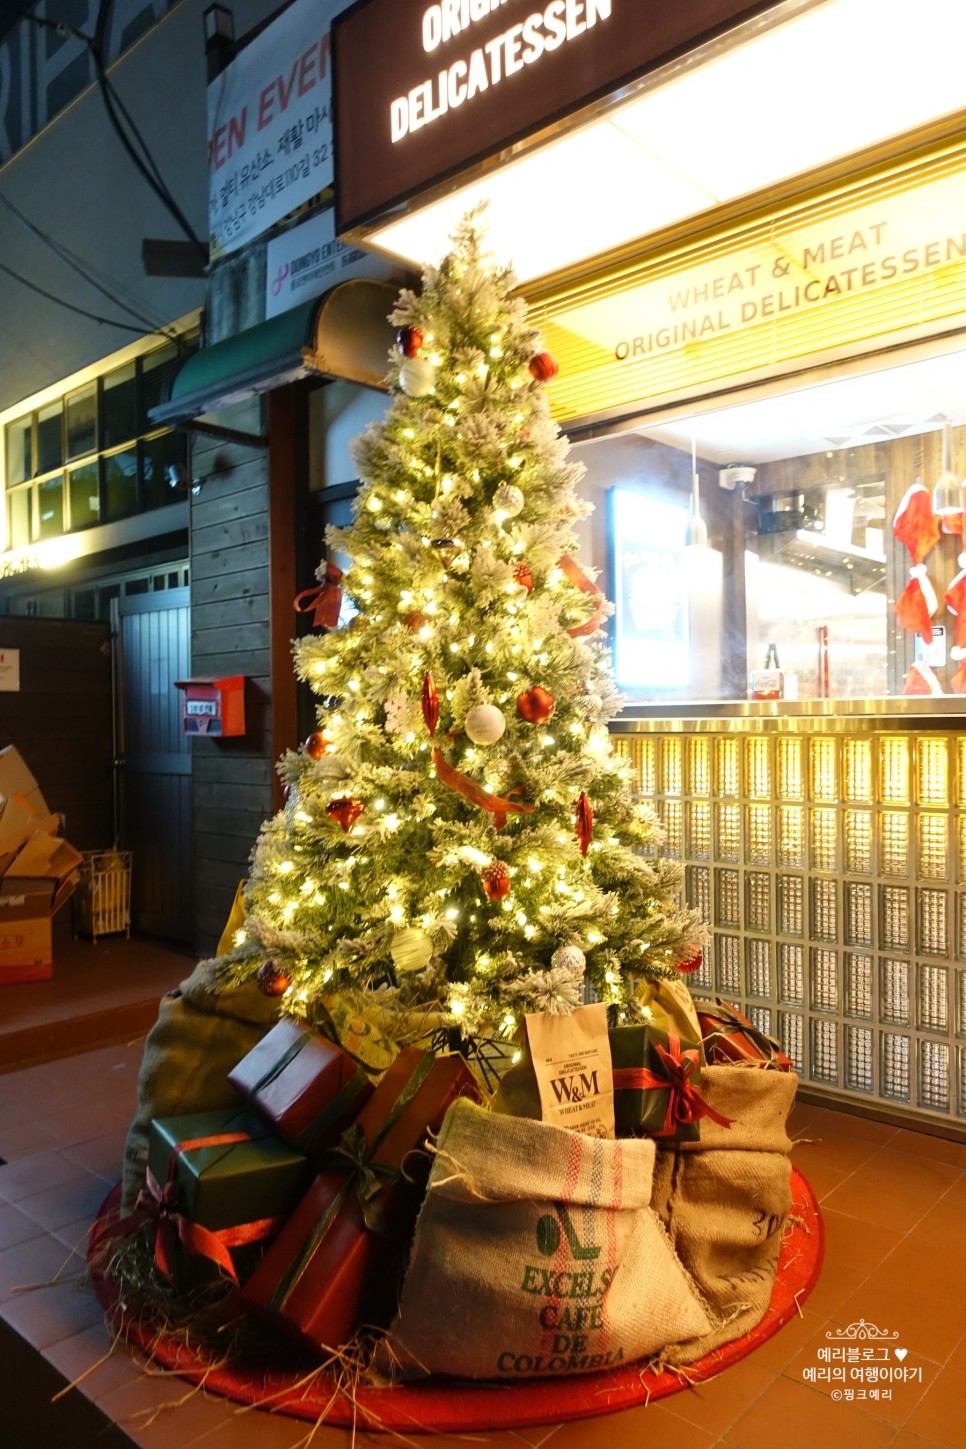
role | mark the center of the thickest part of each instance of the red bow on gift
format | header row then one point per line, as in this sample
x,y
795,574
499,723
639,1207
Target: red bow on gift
x,y
685,1103
324,601
159,1206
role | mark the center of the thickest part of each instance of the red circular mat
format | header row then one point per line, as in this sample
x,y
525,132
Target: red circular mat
x,y
441,1406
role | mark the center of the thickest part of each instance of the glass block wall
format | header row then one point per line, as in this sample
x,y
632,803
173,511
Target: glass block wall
x,y
831,868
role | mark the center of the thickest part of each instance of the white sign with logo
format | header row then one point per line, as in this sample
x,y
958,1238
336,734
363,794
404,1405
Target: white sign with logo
x,y
270,126
9,671
306,261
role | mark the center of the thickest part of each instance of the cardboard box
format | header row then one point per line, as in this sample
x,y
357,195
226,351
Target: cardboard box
x,y
45,857
25,932
38,873
16,779
17,822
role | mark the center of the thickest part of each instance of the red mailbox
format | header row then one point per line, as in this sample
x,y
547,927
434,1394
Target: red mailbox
x,y
213,706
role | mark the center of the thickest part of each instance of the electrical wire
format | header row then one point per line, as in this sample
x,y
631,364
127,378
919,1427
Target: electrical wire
x,y
80,267
81,311
112,103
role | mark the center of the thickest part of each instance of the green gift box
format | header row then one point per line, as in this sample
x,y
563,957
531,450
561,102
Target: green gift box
x,y
218,1175
656,1084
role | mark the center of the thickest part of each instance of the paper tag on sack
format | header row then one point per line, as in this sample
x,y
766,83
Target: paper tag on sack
x,y
572,1063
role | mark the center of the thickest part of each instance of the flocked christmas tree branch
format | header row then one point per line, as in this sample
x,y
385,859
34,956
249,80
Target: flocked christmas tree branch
x,y
459,838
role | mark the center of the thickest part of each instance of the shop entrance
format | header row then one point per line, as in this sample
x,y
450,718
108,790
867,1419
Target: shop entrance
x,y
153,760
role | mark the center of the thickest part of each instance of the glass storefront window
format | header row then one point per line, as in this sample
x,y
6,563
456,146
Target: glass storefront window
x,y
50,508
50,437
20,501
19,450
119,406
155,368
118,459
157,455
84,492
121,483
81,409
794,596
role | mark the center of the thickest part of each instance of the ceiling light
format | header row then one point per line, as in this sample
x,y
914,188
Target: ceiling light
x,y
826,83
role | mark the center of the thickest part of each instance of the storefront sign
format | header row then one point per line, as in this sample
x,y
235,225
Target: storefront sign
x,y
423,91
270,126
812,279
306,261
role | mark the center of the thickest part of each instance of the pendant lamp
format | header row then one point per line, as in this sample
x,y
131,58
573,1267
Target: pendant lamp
x,y
947,496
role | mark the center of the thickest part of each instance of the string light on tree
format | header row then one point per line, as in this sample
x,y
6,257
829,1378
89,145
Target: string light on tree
x,y
443,864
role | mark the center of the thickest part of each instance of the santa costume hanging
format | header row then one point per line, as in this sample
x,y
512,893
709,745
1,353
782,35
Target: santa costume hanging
x,y
916,526
955,601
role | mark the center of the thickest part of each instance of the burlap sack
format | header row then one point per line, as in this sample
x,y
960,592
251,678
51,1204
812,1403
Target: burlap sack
x,y
197,1039
536,1253
724,1200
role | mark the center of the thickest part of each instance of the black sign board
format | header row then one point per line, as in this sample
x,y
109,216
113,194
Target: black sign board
x,y
423,91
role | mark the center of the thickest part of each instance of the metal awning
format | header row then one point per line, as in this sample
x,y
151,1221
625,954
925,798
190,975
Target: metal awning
x,y
345,333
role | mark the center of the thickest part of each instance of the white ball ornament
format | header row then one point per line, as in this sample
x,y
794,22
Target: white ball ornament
x,y
411,949
485,724
509,499
417,376
569,958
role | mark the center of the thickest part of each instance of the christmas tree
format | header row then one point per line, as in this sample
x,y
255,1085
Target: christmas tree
x,y
458,837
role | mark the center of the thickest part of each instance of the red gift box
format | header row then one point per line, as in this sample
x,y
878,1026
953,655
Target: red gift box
x,y
730,1038
317,1277
306,1086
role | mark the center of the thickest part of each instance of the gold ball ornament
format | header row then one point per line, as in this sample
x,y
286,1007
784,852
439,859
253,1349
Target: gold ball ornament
x,y
485,724
417,376
411,949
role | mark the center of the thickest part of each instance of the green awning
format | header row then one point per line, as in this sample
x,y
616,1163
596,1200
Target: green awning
x,y
345,333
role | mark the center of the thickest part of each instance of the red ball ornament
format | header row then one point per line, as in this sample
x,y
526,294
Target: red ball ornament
x,y
409,340
536,705
415,621
693,964
345,810
524,577
272,981
543,367
316,745
430,704
583,821
496,880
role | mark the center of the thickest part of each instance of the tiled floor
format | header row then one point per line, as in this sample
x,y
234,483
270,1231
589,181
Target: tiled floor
x,y
100,991
894,1203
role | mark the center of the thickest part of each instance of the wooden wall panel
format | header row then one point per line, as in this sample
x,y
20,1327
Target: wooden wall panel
x,y
231,778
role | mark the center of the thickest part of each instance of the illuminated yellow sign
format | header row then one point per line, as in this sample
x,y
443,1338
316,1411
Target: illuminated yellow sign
x,y
887,257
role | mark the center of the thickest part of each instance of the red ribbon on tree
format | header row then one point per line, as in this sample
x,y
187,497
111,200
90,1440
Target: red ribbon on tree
x,y
575,575
499,806
430,703
584,821
685,1103
159,1206
323,601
